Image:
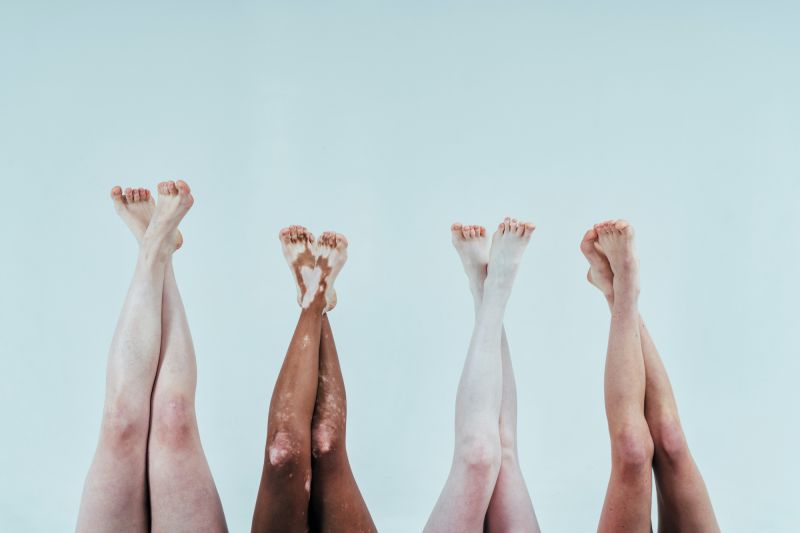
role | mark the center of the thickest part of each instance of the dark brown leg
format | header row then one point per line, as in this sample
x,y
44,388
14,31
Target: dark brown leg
x,y
336,501
283,496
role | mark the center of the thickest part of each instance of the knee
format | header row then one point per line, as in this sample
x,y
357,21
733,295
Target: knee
x,y
481,455
174,422
284,450
670,443
632,450
326,439
123,428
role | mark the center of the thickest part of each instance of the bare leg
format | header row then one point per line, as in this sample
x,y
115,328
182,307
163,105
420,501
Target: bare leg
x,y
283,496
477,458
115,493
182,491
336,501
510,508
684,504
627,504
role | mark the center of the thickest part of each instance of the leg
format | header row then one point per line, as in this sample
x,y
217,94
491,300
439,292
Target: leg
x,y
684,504
336,501
510,508
477,457
182,491
683,500
115,493
283,496
627,504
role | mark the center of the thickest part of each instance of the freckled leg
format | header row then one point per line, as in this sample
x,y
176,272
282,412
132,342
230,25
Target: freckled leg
x,y
336,501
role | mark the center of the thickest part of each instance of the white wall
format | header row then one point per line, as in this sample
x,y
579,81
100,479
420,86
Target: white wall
x,y
387,122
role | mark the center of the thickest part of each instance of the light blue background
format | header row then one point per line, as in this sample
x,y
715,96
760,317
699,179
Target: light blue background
x,y
387,122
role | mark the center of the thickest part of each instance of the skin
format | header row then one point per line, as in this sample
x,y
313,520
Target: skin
x,y
485,490
149,471
306,482
644,427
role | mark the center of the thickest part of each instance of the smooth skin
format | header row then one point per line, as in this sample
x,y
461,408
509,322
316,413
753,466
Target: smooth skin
x,y
644,427
149,471
307,483
485,490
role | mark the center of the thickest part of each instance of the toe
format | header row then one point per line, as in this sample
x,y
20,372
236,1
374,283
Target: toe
x,y
182,187
116,193
162,188
341,240
529,228
137,195
129,194
172,188
588,245
456,228
472,232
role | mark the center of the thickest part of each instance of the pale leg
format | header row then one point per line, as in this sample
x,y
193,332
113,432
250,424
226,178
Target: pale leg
x,y
477,458
182,491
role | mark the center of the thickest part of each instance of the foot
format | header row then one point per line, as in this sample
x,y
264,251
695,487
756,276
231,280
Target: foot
x,y
615,240
600,274
331,256
505,254
136,207
298,249
174,201
472,246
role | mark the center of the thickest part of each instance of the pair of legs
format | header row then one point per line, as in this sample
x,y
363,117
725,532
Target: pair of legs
x,y
644,427
149,470
485,490
307,483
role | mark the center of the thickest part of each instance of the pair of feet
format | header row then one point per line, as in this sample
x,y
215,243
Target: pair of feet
x,y
314,264
608,246
154,224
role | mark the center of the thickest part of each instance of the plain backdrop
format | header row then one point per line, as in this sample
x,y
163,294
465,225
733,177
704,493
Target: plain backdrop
x,y
387,121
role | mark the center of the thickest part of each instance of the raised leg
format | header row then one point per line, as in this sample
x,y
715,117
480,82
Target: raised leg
x,y
477,458
284,494
684,504
336,501
182,491
510,508
115,493
627,504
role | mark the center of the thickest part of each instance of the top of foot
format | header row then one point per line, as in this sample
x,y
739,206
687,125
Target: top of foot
x,y
600,274
615,241
508,244
472,246
331,256
174,201
136,207
298,249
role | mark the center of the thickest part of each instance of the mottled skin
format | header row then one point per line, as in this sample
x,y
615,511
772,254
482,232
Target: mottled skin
x,y
306,482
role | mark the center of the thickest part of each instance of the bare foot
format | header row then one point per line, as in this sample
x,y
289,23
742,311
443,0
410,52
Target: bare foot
x,y
331,256
298,249
473,249
136,208
600,274
174,201
505,254
615,239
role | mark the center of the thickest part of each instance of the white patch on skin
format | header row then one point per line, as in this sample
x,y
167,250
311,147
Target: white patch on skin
x,y
307,486
306,341
311,278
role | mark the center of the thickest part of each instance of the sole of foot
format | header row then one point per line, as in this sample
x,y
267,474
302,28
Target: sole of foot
x,y
297,244
174,201
136,207
472,246
615,239
505,254
331,257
